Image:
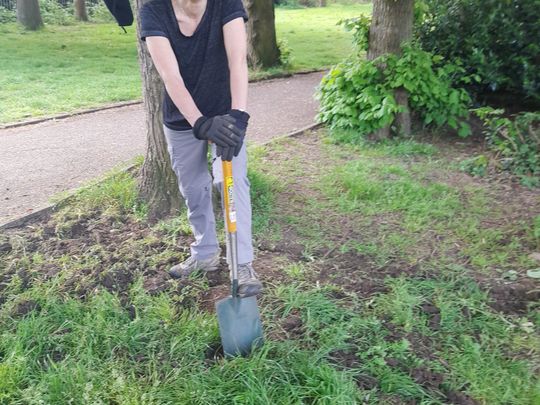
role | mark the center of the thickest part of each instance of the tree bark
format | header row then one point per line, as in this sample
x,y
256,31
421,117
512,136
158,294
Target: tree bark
x,y
262,44
158,185
29,14
391,26
80,10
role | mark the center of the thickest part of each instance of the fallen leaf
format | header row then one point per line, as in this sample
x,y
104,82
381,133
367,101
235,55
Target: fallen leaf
x,y
535,273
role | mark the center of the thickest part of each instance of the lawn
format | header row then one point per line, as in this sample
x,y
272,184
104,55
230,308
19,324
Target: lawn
x,y
67,68
391,278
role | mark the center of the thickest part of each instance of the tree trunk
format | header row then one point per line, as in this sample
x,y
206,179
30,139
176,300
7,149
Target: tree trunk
x,y
158,185
80,10
262,44
391,26
29,14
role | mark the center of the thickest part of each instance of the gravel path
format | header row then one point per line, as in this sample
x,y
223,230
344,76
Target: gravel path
x,y
41,160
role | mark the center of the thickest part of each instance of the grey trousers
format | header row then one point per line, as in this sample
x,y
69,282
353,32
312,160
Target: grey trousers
x,y
189,161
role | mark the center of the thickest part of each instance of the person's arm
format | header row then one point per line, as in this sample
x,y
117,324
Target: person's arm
x,y
167,66
234,33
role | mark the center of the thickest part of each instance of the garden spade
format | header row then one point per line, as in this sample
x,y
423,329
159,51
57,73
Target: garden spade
x,y
239,320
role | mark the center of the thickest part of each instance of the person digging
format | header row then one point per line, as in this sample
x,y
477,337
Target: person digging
x,y
199,49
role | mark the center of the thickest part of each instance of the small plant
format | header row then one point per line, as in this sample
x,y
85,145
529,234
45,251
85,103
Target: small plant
x,y
285,53
359,27
516,141
475,166
536,227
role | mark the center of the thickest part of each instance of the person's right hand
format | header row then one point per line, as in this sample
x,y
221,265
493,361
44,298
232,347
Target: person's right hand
x,y
226,153
220,130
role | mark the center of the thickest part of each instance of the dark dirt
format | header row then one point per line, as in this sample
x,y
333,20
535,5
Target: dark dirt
x,y
109,253
25,307
514,298
460,398
293,326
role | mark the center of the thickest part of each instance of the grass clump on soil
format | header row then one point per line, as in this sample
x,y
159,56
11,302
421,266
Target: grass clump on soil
x,y
384,270
115,194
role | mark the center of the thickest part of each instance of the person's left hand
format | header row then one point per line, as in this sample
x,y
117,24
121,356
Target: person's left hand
x,y
241,123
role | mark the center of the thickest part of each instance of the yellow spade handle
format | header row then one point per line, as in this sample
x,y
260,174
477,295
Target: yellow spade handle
x,y
228,199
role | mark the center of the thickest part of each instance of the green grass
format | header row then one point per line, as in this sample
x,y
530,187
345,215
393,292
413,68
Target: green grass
x,y
472,347
67,68
68,351
410,185
116,190
421,337
313,36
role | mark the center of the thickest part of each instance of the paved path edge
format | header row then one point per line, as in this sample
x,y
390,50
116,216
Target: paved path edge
x,y
17,124
49,209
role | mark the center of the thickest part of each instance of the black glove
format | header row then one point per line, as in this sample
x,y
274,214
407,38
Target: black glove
x,y
225,152
220,130
241,122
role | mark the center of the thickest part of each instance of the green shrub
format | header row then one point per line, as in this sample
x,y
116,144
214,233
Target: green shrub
x,y
98,12
7,15
359,94
516,141
285,53
298,3
499,41
54,13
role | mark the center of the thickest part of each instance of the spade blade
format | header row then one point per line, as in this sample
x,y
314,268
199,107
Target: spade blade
x,y
239,325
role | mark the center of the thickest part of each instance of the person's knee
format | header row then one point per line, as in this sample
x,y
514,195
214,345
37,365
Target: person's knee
x,y
195,193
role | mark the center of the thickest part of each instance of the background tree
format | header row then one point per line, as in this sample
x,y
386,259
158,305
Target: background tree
x,y
158,186
80,10
391,26
29,14
262,44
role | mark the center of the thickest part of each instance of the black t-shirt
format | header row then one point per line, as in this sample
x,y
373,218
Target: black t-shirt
x,y
201,57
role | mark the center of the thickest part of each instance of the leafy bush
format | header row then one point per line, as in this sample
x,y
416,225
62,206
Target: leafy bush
x,y
516,141
99,12
54,13
497,40
296,3
359,94
7,15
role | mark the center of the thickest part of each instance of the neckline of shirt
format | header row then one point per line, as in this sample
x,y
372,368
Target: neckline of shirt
x,y
177,24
